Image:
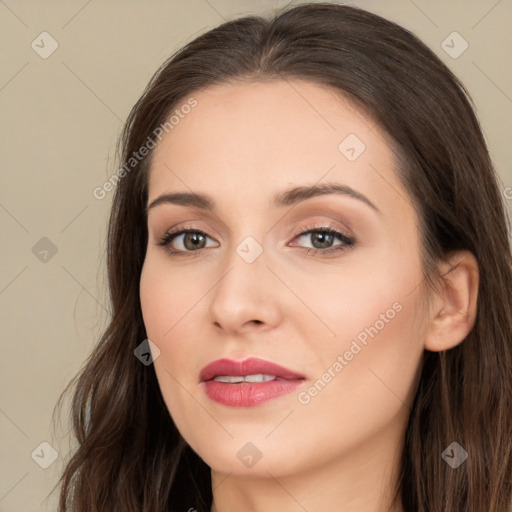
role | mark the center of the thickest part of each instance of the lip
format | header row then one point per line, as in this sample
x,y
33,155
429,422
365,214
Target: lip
x,y
248,394
250,366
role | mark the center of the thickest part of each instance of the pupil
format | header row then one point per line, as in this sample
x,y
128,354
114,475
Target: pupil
x,y
326,236
194,238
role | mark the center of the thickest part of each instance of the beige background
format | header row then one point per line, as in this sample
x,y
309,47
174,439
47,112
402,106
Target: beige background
x,y
60,118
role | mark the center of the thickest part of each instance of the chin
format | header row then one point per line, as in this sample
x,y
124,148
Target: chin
x,y
251,459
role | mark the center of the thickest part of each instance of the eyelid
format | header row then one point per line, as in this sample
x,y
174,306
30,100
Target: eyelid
x,y
301,230
322,225
348,241
175,232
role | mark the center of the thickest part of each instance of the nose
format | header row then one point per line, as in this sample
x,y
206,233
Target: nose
x,y
245,297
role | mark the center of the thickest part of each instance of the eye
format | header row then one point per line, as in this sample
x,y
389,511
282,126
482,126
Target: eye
x,y
322,238
192,241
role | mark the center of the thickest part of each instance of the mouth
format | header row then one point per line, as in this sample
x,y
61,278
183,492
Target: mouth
x,y
247,383
250,370
236,379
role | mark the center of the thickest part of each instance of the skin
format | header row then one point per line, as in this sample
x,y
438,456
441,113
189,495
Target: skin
x,y
240,145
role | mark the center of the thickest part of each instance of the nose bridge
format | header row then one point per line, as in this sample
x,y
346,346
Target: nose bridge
x,y
244,292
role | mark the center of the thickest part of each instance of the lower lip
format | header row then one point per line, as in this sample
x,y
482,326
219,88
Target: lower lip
x,y
248,394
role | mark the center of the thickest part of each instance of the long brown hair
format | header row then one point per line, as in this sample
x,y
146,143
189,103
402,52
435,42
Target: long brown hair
x,y
130,455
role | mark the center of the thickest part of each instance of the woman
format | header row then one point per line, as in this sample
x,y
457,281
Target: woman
x,y
311,284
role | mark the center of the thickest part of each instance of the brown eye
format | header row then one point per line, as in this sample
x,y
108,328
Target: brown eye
x,y
193,240
322,239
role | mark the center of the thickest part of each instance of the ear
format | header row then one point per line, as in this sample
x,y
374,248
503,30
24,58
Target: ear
x,y
453,311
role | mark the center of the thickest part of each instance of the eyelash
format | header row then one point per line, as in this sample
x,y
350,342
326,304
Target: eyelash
x,y
348,242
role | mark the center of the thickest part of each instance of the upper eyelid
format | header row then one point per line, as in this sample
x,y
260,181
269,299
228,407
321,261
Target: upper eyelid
x,y
323,215
311,210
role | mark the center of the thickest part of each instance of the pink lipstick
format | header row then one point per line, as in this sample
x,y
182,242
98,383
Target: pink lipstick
x,y
247,383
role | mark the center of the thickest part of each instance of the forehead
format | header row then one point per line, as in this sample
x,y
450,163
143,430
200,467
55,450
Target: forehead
x,y
247,139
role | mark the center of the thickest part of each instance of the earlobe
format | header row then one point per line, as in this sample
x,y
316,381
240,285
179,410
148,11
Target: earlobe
x,y
455,304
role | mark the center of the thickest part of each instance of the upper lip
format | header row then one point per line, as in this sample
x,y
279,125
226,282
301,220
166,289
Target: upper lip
x,y
251,366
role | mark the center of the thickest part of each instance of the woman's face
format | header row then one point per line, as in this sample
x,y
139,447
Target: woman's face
x,y
261,278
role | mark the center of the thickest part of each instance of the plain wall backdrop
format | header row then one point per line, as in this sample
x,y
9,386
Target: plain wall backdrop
x,y
60,117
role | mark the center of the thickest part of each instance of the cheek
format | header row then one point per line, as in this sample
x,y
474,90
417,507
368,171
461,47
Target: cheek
x,y
167,297
171,303
372,335
363,383
168,303
372,297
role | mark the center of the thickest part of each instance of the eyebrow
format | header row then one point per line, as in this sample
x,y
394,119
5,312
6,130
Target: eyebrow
x,y
283,199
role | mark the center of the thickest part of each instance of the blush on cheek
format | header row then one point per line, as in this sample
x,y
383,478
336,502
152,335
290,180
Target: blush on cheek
x,y
384,334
